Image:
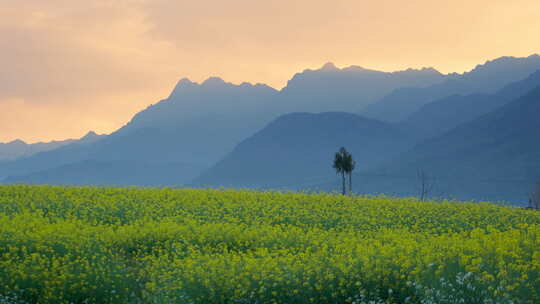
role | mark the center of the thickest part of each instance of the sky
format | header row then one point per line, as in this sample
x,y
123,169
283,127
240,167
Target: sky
x,y
67,67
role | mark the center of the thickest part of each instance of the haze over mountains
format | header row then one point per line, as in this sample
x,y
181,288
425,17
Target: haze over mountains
x,y
502,143
18,148
449,112
221,134
495,157
198,124
485,78
349,89
295,149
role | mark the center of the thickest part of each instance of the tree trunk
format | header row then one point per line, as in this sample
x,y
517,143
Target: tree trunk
x,y
422,196
350,183
343,180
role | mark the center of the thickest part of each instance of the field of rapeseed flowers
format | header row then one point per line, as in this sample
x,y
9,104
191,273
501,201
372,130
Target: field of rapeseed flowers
x,y
130,245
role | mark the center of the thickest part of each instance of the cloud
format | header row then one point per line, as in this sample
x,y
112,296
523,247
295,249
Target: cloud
x,y
101,61
49,54
67,67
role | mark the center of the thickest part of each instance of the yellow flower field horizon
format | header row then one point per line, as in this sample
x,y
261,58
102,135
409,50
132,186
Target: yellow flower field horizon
x,y
141,245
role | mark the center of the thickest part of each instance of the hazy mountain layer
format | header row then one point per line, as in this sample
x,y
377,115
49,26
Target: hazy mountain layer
x,y
18,148
494,157
200,125
486,78
442,115
503,143
298,148
348,89
117,173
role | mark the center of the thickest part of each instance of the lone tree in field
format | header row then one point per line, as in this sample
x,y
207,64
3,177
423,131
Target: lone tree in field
x,y
426,184
350,165
344,165
534,200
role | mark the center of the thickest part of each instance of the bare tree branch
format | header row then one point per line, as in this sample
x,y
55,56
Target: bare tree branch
x,y
534,200
426,183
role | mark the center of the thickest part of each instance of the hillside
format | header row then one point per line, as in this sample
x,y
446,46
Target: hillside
x,y
486,78
503,143
112,173
437,117
199,124
17,149
298,148
195,126
495,157
71,152
331,89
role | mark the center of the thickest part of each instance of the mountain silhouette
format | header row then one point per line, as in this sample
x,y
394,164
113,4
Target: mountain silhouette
x,y
349,89
199,123
111,173
72,151
442,115
196,126
214,129
503,143
298,147
494,157
18,148
486,78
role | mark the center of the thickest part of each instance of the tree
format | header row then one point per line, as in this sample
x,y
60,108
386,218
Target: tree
x,y
344,165
426,185
339,166
350,164
534,200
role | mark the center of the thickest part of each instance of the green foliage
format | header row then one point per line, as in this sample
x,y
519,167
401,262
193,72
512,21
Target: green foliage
x,y
131,245
344,165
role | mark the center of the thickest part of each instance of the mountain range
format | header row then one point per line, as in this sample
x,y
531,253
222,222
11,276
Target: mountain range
x,y
199,123
486,78
449,112
349,89
16,149
217,133
493,157
503,143
297,148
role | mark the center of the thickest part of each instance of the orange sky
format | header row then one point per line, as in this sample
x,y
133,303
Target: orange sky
x,y
67,67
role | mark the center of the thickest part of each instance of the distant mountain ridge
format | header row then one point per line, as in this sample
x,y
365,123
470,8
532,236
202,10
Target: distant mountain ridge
x,y
200,120
296,147
194,127
503,143
494,157
199,123
17,149
111,173
486,79
209,129
348,89
442,115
